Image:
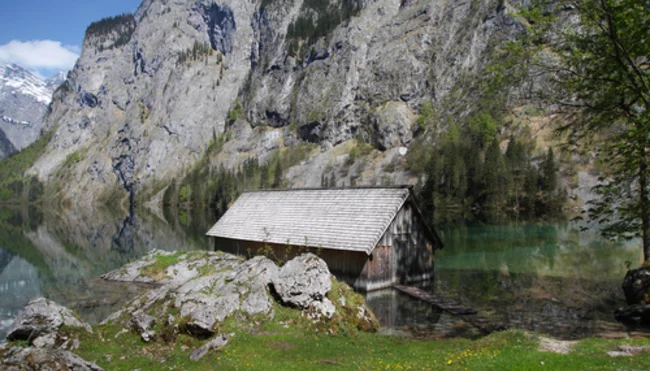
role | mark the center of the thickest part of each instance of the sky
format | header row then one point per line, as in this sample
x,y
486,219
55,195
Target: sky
x,y
45,36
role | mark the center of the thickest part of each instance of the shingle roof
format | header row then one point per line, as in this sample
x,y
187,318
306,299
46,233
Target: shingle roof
x,y
351,219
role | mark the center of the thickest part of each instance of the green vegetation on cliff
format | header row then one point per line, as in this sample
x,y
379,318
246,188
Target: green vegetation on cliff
x,y
318,19
15,186
218,187
120,27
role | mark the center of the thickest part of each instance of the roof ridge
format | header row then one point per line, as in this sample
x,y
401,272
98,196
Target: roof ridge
x,y
404,186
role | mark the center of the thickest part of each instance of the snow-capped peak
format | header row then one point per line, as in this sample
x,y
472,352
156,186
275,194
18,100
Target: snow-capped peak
x,y
20,80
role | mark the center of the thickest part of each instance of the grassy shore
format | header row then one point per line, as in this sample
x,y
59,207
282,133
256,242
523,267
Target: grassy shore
x,y
278,345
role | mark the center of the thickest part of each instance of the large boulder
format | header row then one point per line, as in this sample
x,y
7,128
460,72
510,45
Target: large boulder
x,y
213,286
197,291
19,359
303,281
636,286
41,319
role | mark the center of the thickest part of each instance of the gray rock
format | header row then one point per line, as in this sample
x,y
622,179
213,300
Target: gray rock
x,y
42,317
393,125
228,285
303,280
142,324
6,147
15,359
319,309
216,343
45,341
147,336
132,272
212,298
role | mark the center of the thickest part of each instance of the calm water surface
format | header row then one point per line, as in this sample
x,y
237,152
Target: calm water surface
x,y
549,278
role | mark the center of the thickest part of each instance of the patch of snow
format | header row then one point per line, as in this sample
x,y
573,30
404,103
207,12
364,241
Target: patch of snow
x,y
25,82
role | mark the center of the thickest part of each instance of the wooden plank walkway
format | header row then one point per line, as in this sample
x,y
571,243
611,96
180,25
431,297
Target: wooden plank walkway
x,y
442,303
481,323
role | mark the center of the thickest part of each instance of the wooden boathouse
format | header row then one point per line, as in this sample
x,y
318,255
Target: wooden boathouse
x,y
371,238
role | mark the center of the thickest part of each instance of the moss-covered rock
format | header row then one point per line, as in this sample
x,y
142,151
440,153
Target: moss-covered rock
x,y
201,293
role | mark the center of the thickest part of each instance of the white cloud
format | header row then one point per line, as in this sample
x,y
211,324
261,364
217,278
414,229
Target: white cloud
x,y
39,54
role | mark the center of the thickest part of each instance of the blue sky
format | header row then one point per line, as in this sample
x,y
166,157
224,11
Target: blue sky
x,y
46,36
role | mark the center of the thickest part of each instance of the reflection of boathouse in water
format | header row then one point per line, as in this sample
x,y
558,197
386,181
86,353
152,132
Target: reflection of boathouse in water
x,y
369,237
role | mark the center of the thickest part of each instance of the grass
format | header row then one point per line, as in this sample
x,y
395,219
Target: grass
x,y
158,268
290,341
274,347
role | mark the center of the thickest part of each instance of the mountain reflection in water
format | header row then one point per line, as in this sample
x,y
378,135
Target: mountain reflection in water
x,y
62,254
549,278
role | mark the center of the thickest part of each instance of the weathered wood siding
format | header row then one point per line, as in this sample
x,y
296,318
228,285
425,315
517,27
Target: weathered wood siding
x,y
405,249
347,266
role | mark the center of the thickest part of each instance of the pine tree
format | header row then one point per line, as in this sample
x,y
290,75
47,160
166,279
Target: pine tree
x,y
493,172
549,173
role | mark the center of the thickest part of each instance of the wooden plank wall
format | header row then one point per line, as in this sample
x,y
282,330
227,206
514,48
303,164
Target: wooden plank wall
x,y
411,255
347,266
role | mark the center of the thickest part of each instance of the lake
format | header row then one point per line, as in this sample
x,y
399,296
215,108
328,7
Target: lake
x,y
544,277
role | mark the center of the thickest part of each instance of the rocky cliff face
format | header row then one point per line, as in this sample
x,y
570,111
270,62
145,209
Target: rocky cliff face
x,y
150,92
6,147
24,98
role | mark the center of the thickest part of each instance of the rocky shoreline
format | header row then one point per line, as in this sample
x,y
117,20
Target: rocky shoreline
x,y
194,294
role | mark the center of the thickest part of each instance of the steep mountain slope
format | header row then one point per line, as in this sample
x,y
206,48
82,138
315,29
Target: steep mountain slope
x,y
24,98
151,93
6,147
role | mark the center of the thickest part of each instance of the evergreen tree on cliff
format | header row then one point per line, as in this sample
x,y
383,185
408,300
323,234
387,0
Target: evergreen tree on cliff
x,y
600,76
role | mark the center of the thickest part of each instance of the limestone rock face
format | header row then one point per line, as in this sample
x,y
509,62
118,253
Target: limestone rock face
x,y
17,359
303,280
141,104
6,147
42,318
393,125
636,286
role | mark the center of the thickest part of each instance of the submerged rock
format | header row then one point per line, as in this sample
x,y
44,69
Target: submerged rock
x,y
42,318
303,280
636,286
43,359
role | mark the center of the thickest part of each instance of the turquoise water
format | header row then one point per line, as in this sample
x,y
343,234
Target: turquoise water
x,y
543,277
546,277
